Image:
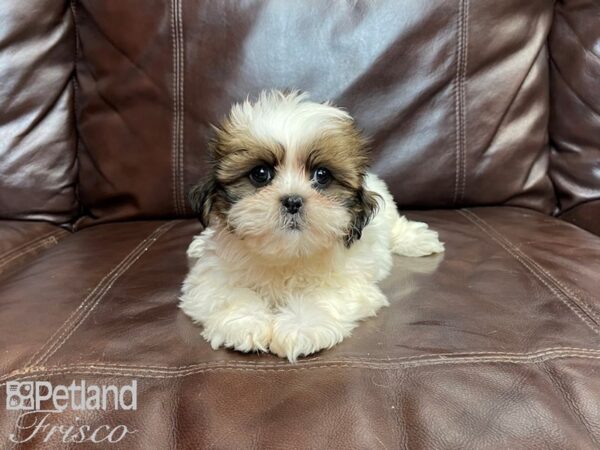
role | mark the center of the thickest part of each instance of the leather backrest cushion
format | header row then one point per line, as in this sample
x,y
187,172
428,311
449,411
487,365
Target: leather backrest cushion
x,y
454,94
575,111
38,167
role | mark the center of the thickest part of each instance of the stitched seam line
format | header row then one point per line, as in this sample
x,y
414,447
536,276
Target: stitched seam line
x,y
176,118
581,303
425,357
463,92
180,152
460,354
458,88
10,254
43,244
95,300
558,285
228,363
31,248
565,290
78,316
456,109
531,359
527,263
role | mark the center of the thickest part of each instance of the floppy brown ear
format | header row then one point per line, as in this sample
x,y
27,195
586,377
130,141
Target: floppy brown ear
x,y
363,210
201,199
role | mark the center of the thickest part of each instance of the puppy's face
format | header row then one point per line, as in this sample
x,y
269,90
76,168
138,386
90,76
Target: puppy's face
x,y
287,177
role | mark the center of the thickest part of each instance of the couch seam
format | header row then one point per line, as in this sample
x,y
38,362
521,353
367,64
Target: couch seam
x,y
42,244
80,314
181,106
464,99
534,269
97,370
9,253
581,303
456,113
459,100
478,353
566,290
175,107
28,247
541,353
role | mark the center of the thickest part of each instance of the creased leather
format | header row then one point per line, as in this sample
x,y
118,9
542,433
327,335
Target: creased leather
x,y
575,111
455,118
38,168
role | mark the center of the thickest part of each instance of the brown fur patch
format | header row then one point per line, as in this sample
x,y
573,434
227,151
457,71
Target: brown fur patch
x,y
344,152
364,208
236,152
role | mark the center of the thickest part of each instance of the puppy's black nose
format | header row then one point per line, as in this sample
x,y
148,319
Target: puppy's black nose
x,y
292,203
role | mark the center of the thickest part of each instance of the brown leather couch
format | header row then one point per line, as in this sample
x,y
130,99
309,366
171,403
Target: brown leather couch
x,y
485,121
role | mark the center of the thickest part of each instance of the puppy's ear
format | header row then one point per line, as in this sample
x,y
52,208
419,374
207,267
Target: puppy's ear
x,y
201,199
363,210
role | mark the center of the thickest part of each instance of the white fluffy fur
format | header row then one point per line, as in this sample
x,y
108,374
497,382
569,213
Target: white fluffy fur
x,y
265,288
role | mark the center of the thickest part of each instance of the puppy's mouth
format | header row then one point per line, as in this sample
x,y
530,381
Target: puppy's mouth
x,y
292,222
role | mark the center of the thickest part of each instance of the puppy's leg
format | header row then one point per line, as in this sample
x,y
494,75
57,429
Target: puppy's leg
x,y
321,319
232,317
410,238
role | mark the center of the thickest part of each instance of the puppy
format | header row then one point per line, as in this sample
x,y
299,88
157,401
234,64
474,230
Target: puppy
x,y
297,231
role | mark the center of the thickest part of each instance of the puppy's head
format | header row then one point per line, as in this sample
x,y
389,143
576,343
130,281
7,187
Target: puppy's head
x,y
288,176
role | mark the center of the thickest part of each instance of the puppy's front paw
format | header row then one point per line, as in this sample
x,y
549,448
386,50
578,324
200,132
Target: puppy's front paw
x,y
295,336
242,329
416,239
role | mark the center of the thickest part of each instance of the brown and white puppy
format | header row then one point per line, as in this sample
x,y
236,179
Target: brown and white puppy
x,y
298,232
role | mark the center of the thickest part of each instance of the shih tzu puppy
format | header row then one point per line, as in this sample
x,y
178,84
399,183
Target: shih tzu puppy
x,y
297,231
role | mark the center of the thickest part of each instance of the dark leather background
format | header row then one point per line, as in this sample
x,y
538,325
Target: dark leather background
x,y
461,99
486,111
38,167
575,107
456,118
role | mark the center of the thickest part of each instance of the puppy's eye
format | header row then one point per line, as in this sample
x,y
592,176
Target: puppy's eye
x,y
321,176
261,175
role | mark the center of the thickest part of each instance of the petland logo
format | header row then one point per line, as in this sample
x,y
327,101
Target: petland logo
x,y
39,399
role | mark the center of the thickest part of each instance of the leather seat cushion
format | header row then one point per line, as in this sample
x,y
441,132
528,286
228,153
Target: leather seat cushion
x,y
503,328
